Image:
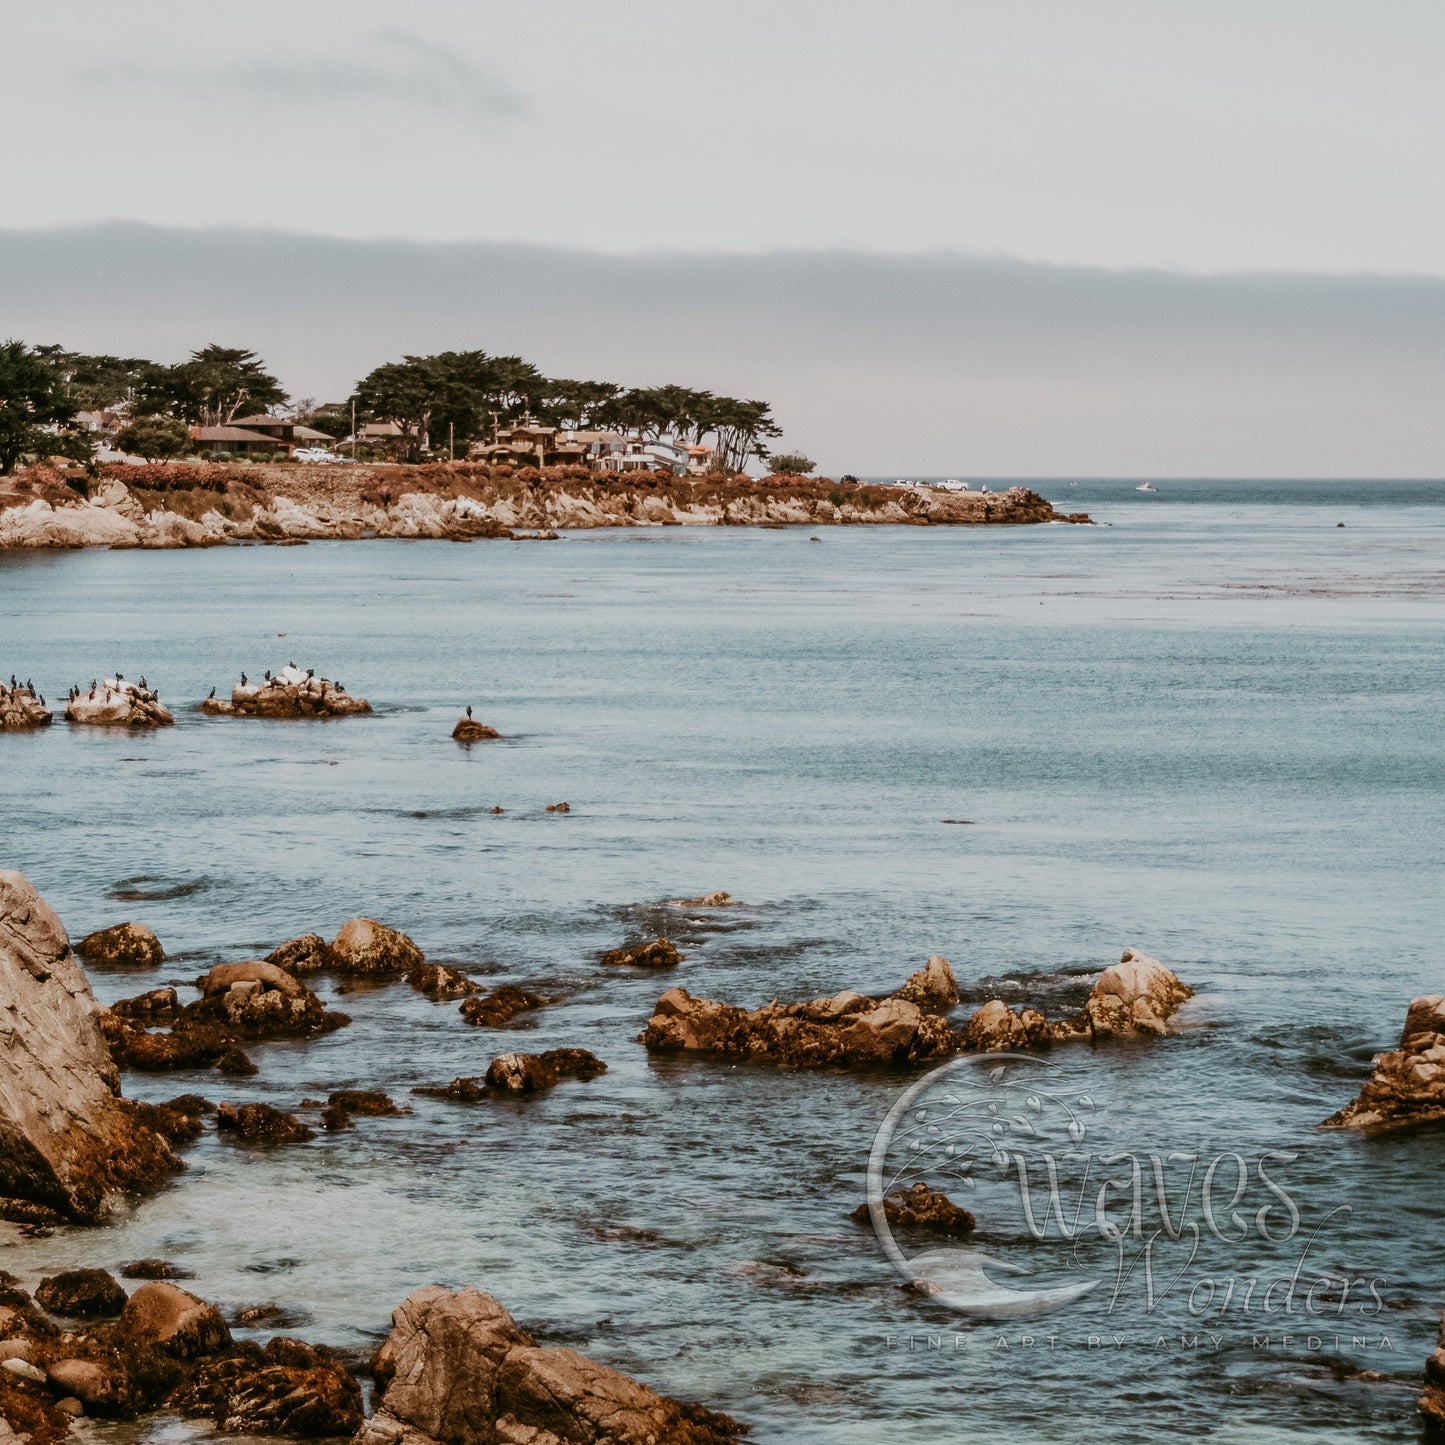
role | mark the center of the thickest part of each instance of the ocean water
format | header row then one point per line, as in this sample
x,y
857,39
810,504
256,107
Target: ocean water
x,y
1209,727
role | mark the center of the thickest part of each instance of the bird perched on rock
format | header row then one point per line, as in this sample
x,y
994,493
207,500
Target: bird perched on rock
x,y
243,679
268,674
210,694
310,672
469,712
142,683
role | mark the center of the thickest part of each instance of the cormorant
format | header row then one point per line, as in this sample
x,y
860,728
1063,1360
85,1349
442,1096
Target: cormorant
x,y
210,694
291,663
268,674
310,672
469,712
243,679
142,683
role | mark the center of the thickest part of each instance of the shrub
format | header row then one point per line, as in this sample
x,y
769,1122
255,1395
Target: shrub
x,y
154,437
792,464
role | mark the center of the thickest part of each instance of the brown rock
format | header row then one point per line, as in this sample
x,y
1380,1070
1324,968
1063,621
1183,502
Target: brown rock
x,y
513,1075
160,1005
21,708
706,900
67,1142
468,730
310,953
922,1208
290,694
996,1028
500,1006
847,1030
154,1269
101,1387
261,1124
287,1388
657,954
1406,1089
932,987
366,946
164,1317
559,807
123,945
370,1103
81,1294
440,980
461,1372
269,975
1136,995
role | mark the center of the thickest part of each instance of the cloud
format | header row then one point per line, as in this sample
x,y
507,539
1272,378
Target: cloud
x,y
396,68
876,364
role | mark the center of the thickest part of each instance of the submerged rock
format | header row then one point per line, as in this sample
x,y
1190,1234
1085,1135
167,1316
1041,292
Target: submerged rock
x,y
81,1294
365,946
114,702
499,1007
154,1269
846,1030
559,807
441,980
510,1075
261,1124
123,945
290,693
67,1141
707,900
922,1208
1406,1090
469,730
660,953
458,1370
342,1104
310,953
20,708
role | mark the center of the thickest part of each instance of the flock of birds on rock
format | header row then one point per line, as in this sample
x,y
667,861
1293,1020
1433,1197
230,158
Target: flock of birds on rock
x,y
26,686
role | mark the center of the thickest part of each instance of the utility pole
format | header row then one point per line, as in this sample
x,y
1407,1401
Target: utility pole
x,y
496,427
353,428
451,442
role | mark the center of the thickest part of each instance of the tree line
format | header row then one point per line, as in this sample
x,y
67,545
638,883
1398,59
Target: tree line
x,y
464,396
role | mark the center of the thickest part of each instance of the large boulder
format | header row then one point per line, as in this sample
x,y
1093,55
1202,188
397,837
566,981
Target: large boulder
x,y
115,702
224,976
67,1141
162,1316
459,1371
996,1028
849,1029
22,707
310,953
290,693
122,945
81,1294
1407,1086
518,1075
920,1208
286,1388
469,730
365,946
1137,995
500,1007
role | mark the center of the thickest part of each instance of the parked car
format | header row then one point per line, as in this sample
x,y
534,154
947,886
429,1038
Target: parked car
x,y
315,454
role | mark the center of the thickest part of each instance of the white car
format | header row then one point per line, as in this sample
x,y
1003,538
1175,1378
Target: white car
x,y
315,454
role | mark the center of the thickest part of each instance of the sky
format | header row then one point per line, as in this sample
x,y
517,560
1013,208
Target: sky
x,y
975,238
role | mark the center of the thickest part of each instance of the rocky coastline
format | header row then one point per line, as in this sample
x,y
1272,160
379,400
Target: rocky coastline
x,y
170,506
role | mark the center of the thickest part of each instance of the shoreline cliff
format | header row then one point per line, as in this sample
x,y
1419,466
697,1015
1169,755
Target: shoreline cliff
x,y
167,506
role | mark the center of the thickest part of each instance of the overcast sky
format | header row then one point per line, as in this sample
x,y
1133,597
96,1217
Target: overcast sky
x,y
1233,210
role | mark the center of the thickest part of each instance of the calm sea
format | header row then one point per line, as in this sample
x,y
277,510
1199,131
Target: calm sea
x,y
1209,727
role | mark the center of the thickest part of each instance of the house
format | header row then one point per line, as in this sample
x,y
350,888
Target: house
x,y
289,433
238,440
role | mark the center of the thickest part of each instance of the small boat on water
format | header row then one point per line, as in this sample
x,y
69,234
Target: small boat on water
x,y
1146,487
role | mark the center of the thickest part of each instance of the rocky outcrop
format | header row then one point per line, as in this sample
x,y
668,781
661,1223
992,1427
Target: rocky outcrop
x,y
114,702
261,1124
1406,1089
499,1007
996,1028
921,1208
660,953
457,1370
291,693
846,1030
1432,1401
22,707
67,1141
342,1105
706,900
933,987
239,1002
511,1075
365,946
123,945
284,1388
469,730
441,980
